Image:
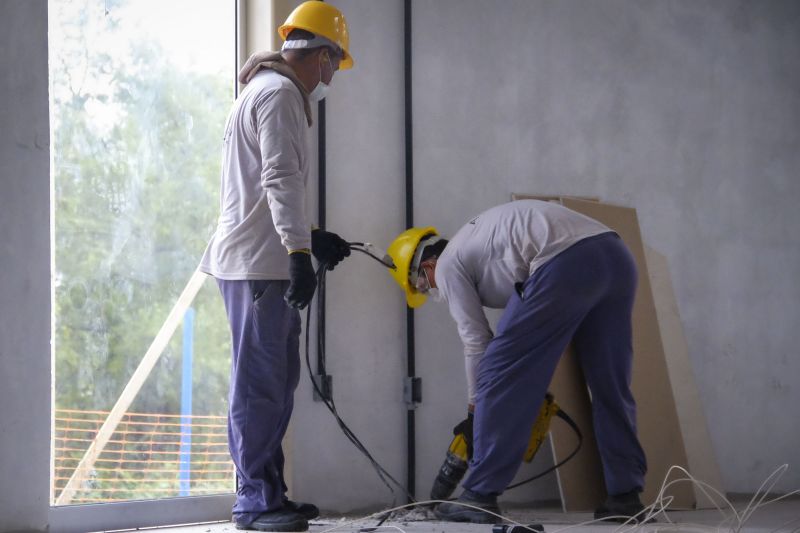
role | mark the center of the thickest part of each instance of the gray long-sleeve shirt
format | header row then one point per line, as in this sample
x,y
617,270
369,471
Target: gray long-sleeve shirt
x,y
498,248
263,189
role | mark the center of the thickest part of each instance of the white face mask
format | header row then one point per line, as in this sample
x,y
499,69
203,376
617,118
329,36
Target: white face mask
x,y
321,90
424,286
434,294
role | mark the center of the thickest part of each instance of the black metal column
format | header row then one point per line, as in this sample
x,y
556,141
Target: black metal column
x,y
321,201
411,465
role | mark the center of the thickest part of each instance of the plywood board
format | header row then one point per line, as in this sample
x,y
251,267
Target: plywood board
x,y
696,439
657,417
580,481
545,198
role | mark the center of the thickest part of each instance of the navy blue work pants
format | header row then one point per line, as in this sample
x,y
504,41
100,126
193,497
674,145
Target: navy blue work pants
x,y
265,370
584,294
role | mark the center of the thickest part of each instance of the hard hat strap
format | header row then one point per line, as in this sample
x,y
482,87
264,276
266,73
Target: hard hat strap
x,y
316,42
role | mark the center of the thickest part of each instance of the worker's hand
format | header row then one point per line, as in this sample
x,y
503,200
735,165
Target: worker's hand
x,y
302,280
465,428
328,248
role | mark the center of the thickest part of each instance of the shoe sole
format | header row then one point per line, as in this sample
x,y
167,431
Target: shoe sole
x,y
278,528
270,529
471,517
307,516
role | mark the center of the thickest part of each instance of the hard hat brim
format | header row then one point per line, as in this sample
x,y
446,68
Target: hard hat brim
x,y
415,299
347,62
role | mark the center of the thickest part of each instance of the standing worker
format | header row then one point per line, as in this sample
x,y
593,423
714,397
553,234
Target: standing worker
x,y
261,252
560,276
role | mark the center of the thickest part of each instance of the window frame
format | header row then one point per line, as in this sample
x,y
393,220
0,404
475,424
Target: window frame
x,y
79,518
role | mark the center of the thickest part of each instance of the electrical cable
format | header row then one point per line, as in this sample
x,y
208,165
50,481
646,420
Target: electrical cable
x,y
659,506
631,524
635,523
364,248
383,474
566,418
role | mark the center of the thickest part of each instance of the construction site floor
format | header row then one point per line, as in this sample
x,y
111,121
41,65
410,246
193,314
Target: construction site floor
x,y
779,517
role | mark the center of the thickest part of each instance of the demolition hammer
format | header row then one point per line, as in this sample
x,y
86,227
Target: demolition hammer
x,y
456,460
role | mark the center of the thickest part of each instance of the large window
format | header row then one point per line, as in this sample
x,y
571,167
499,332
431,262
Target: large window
x,y
140,90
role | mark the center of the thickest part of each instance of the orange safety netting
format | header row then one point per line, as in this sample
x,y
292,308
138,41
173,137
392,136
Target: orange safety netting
x,y
150,455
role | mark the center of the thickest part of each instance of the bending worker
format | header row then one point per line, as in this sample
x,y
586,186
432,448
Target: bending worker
x,y
560,276
261,252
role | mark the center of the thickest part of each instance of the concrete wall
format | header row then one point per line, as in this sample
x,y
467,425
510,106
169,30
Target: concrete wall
x,y
365,320
365,313
685,110
24,267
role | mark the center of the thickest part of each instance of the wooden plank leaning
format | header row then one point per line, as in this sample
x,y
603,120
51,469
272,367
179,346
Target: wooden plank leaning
x,y
132,388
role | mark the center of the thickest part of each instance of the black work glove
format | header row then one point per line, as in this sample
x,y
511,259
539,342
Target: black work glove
x,y
465,427
302,280
328,248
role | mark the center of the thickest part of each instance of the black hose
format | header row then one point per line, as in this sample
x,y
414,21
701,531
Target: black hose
x,y
383,474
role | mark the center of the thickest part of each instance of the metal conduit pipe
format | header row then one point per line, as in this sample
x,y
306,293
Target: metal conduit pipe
x,y
411,451
321,219
409,222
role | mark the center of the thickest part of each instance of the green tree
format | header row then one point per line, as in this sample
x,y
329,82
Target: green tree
x,y
136,143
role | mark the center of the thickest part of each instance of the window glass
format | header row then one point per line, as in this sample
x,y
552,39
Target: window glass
x,y
140,90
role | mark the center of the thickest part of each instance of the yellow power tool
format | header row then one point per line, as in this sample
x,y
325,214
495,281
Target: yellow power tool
x,y
456,462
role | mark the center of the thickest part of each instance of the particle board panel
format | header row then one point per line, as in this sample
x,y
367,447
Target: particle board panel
x,y
696,439
545,198
580,481
657,417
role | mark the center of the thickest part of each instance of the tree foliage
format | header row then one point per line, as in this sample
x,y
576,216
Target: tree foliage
x,y
136,143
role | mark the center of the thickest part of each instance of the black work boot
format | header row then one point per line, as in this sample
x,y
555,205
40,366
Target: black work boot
x,y
453,512
280,520
621,508
308,510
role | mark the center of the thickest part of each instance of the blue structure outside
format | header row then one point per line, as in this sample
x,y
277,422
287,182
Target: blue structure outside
x,y
186,403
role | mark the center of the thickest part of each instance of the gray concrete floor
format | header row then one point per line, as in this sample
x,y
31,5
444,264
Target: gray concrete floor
x,y
779,517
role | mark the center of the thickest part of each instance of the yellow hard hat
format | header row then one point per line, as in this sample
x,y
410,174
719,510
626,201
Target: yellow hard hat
x,y
321,19
402,252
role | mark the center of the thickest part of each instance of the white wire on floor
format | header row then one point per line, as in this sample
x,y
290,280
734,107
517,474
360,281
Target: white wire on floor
x,y
732,521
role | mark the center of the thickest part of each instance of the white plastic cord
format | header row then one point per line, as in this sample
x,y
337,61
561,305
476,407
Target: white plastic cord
x,y
417,504
732,521
786,525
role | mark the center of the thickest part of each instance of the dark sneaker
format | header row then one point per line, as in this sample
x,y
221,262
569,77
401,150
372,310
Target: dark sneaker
x,y
308,510
280,520
453,512
621,508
